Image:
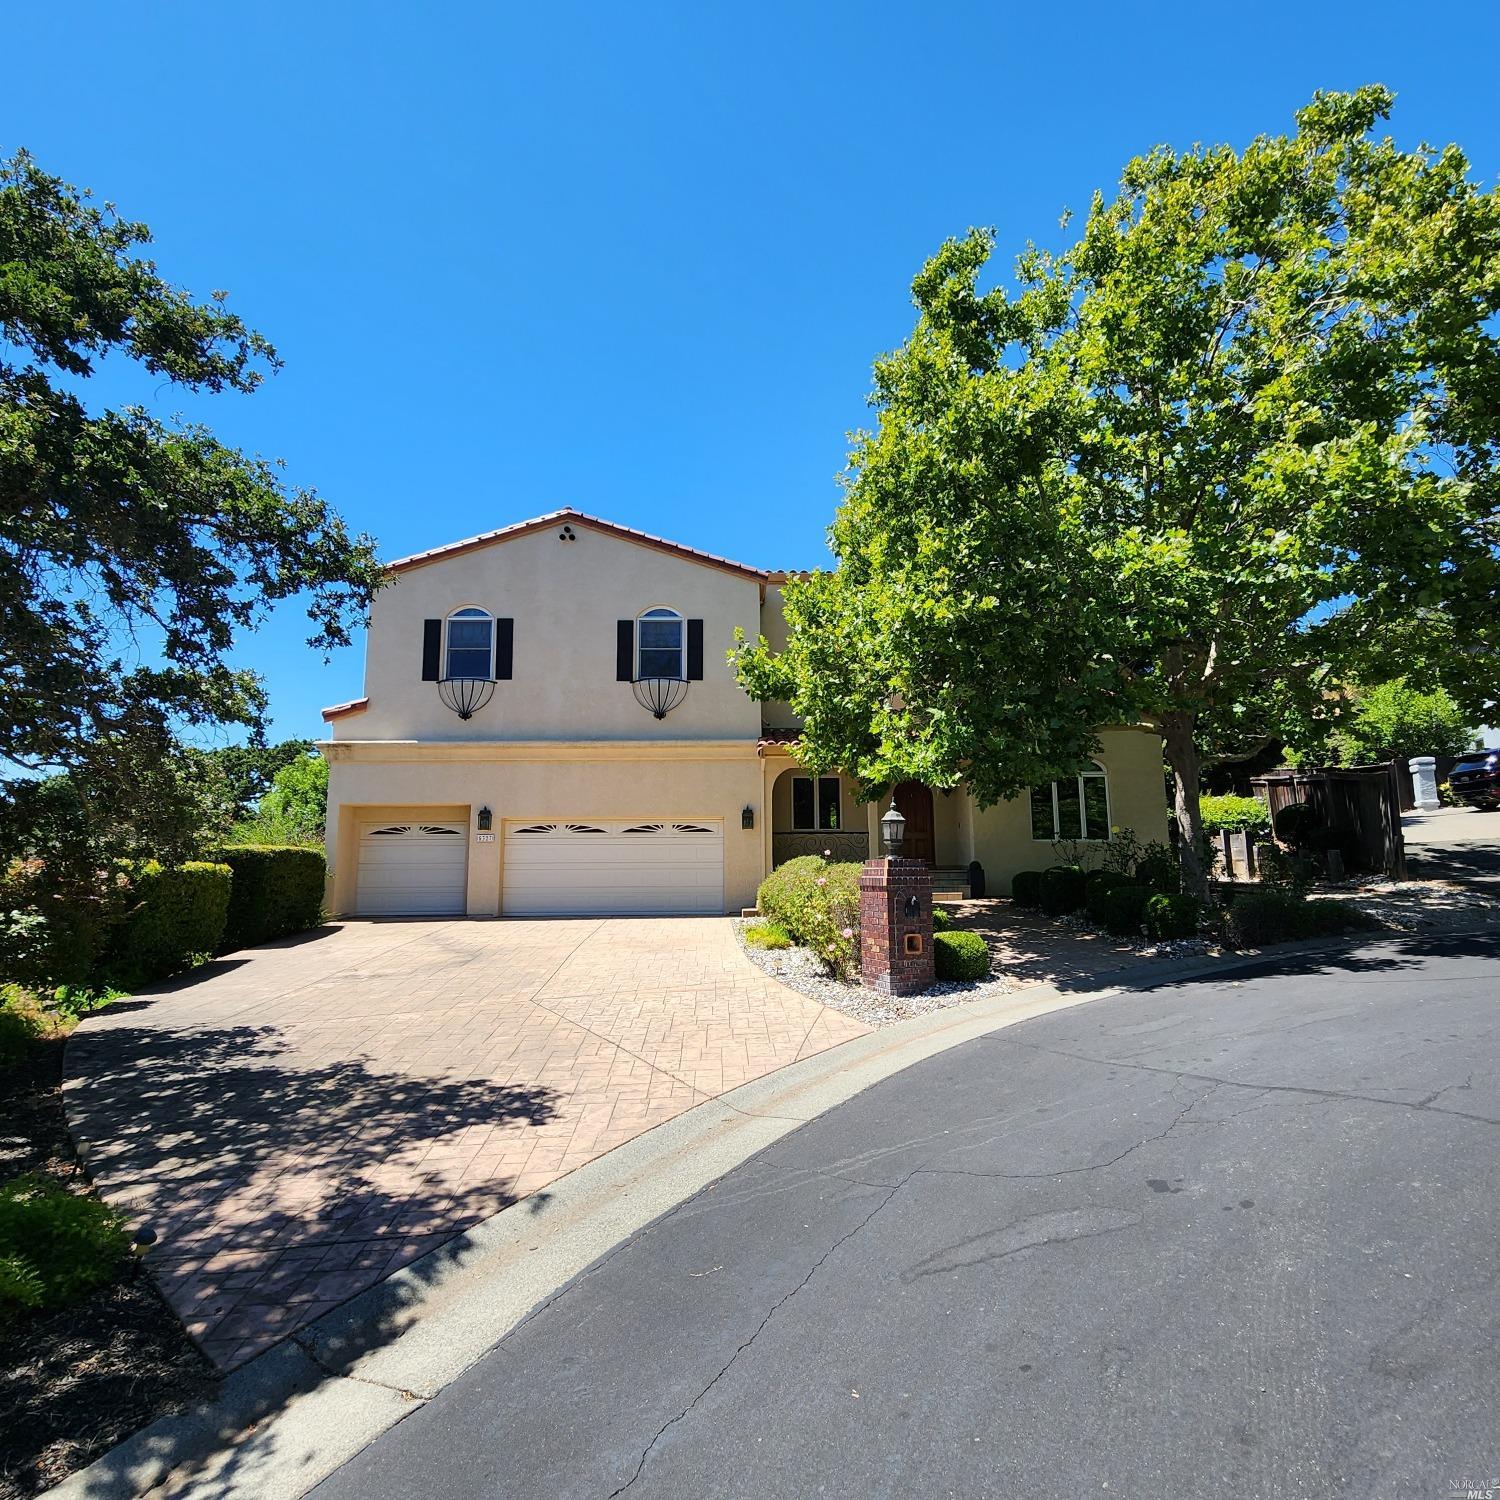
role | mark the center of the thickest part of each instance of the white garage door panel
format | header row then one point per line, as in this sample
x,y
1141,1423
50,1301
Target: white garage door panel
x,y
592,869
413,870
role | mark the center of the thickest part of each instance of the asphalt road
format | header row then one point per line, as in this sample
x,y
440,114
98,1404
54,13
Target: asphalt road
x,y
1224,1238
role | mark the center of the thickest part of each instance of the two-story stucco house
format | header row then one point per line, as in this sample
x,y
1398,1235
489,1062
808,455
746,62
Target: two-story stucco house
x,y
550,726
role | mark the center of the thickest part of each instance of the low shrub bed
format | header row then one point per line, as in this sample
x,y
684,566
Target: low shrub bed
x,y
1096,892
1122,909
55,1246
769,935
818,905
960,955
1063,889
1257,919
90,1351
1171,917
1159,870
278,890
1026,888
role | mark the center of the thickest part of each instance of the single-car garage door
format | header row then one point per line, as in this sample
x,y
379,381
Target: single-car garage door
x,y
412,870
588,868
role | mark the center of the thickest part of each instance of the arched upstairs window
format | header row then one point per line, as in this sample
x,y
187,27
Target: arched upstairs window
x,y
1075,807
660,644
470,647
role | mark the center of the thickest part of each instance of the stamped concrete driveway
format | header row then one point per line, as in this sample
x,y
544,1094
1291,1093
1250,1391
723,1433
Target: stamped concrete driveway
x,y
296,1122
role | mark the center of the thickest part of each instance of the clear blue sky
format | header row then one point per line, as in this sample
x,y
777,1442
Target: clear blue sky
x,y
633,258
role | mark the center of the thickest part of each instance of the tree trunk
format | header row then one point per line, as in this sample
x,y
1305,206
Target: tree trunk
x,y
1182,756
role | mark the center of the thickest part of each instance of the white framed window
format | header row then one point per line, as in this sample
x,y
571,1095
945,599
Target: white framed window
x,y
816,804
1074,807
469,647
660,644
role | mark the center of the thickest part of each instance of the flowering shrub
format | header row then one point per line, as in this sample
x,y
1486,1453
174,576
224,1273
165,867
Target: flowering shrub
x,y
818,904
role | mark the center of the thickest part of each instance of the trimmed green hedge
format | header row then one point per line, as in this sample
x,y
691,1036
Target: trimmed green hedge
x,y
942,919
960,955
53,930
1026,888
1122,909
818,903
175,918
278,890
1232,814
1062,890
1171,916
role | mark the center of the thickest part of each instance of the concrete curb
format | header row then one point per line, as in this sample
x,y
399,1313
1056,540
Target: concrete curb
x,y
290,1417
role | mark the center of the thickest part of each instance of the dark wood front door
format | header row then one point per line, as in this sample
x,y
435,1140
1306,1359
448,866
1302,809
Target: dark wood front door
x,y
914,803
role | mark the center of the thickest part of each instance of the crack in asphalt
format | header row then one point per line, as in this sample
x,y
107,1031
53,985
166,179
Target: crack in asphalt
x,y
1187,1074
1062,1227
1098,1166
889,1192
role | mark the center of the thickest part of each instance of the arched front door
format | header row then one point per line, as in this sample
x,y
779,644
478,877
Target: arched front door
x,y
914,803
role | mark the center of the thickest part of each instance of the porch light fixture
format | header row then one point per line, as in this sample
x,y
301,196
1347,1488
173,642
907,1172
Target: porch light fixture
x,y
747,817
893,830
659,695
465,695
486,820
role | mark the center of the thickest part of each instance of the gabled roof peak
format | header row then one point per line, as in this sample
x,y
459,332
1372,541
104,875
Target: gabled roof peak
x,y
568,515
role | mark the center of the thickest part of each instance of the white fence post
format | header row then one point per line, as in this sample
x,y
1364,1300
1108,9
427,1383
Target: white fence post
x,y
1424,783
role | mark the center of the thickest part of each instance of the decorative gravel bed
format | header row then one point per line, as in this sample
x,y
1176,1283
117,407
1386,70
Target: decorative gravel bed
x,y
1417,905
802,970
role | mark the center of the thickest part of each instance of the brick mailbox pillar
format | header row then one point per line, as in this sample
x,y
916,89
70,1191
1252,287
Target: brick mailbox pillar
x,y
895,925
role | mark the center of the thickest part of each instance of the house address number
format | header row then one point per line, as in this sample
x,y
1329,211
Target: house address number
x,y
484,838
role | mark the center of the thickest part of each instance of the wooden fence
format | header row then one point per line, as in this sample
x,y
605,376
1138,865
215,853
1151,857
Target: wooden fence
x,y
1360,804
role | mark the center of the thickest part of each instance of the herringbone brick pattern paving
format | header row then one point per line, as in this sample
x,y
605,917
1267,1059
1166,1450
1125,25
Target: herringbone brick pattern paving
x,y
298,1121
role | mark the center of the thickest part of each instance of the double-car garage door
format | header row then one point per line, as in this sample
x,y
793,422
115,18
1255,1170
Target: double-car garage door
x,y
590,868
564,868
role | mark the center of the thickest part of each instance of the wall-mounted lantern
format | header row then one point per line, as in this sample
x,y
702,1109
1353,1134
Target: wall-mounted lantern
x,y
893,829
486,820
747,817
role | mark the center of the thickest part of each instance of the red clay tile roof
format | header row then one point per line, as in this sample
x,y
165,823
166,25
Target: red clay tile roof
x,y
769,737
569,516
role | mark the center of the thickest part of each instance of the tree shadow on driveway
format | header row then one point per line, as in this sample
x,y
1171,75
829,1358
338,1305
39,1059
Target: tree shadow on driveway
x,y
270,1186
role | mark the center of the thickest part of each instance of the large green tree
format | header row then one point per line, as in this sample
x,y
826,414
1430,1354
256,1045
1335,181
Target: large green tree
x,y
1232,448
134,551
1395,721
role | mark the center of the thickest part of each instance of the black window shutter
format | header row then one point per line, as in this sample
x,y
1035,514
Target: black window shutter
x,y
695,650
432,650
505,640
625,651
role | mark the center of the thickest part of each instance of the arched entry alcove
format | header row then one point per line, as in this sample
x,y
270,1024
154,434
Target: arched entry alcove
x,y
817,814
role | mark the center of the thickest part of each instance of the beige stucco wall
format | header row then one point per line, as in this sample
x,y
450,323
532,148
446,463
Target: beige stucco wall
x,y
1001,835
773,627
565,598
636,781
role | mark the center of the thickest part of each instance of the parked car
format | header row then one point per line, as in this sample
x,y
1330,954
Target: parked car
x,y
1475,780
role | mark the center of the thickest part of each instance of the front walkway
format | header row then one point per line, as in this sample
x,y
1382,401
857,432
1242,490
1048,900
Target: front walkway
x,y
296,1122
